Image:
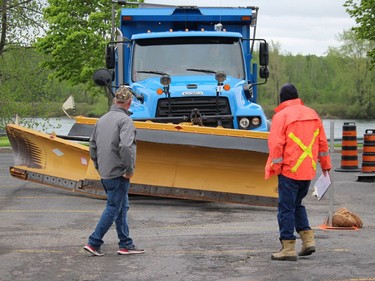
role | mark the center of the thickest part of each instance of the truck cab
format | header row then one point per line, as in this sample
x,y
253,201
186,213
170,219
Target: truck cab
x,y
190,64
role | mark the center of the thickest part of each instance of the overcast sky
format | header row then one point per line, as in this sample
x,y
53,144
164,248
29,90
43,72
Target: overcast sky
x,y
299,26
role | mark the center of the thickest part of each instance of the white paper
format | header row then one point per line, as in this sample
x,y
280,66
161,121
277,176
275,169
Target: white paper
x,y
321,186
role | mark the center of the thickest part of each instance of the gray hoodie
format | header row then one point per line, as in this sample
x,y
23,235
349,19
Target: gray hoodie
x,y
113,144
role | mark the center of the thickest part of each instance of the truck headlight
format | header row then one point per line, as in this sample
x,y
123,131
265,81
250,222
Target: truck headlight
x,y
244,123
255,121
249,122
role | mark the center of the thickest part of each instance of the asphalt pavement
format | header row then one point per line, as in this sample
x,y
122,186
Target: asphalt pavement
x,y
43,230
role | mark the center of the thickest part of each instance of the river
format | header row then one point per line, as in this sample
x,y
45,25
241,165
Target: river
x,y
361,127
61,126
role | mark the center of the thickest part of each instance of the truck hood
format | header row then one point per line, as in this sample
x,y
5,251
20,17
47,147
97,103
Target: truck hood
x,y
181,86
184,84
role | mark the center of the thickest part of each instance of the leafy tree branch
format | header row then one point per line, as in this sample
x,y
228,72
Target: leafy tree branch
x,y
363,12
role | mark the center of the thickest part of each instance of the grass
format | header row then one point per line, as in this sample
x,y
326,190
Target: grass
x,y
4,142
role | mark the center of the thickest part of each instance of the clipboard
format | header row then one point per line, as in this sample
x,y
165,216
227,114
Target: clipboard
x,y
321,186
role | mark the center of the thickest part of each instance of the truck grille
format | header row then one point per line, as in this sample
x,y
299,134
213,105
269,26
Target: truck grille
x,y
205,105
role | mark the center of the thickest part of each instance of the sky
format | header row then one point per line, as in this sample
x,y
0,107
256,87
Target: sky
x,y
299,26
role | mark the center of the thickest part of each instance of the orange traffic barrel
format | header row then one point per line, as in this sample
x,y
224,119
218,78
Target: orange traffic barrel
x,y
368,156
349,149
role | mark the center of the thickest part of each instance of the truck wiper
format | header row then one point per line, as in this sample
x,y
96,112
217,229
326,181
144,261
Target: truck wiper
x,y
152,72
201,70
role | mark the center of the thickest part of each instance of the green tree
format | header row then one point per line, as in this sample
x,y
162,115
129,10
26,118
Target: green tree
x,y
340,84
355,76
278,68
76,38
21,21
268,93
22,86
363,11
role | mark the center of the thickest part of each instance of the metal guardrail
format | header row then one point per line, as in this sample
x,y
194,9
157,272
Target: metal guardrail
x,y
359,140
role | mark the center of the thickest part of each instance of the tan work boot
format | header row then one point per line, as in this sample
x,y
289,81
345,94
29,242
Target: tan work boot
x,y
287,253
308,242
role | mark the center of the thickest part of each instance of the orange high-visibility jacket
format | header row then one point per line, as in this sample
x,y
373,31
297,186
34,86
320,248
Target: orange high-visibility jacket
x,y
296,142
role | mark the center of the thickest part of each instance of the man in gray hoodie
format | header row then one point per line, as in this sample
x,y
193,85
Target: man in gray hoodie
x,y
113,151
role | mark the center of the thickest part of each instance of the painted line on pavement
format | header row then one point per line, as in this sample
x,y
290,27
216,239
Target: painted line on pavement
x,y
26,187
183,252
38,251
49,211
355,279
39,197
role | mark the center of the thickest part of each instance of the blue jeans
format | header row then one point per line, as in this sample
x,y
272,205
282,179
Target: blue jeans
x,y
291,213
116,211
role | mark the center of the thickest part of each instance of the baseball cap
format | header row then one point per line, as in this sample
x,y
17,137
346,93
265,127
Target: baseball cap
x,y
123,94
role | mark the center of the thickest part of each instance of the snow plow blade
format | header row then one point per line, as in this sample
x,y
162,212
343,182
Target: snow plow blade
x,y
177,161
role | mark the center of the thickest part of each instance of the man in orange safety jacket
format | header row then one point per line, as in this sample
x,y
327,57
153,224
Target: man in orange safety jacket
x,y
297,142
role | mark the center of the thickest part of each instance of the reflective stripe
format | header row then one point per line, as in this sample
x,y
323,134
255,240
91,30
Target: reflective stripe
x,y
277,160
323,153
307,150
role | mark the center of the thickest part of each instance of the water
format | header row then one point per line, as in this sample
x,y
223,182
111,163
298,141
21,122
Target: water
x,y
361,127
61,126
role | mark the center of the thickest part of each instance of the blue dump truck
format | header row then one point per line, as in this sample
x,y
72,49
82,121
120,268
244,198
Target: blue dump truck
x,y
200,133
190,64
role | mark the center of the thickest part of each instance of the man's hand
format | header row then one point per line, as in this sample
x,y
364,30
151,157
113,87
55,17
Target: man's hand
x,y
128,176
276,168
325,172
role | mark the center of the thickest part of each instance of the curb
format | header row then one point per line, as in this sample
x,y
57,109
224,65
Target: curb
x,y
5,149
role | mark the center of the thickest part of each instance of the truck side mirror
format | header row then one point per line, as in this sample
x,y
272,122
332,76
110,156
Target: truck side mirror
x,y
263,54
110,57
102,77
264,72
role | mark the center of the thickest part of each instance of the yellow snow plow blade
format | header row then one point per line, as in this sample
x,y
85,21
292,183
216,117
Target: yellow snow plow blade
x,y
179,161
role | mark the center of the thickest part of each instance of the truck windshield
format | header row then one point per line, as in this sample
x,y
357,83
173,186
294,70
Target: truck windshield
x,y
186,55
